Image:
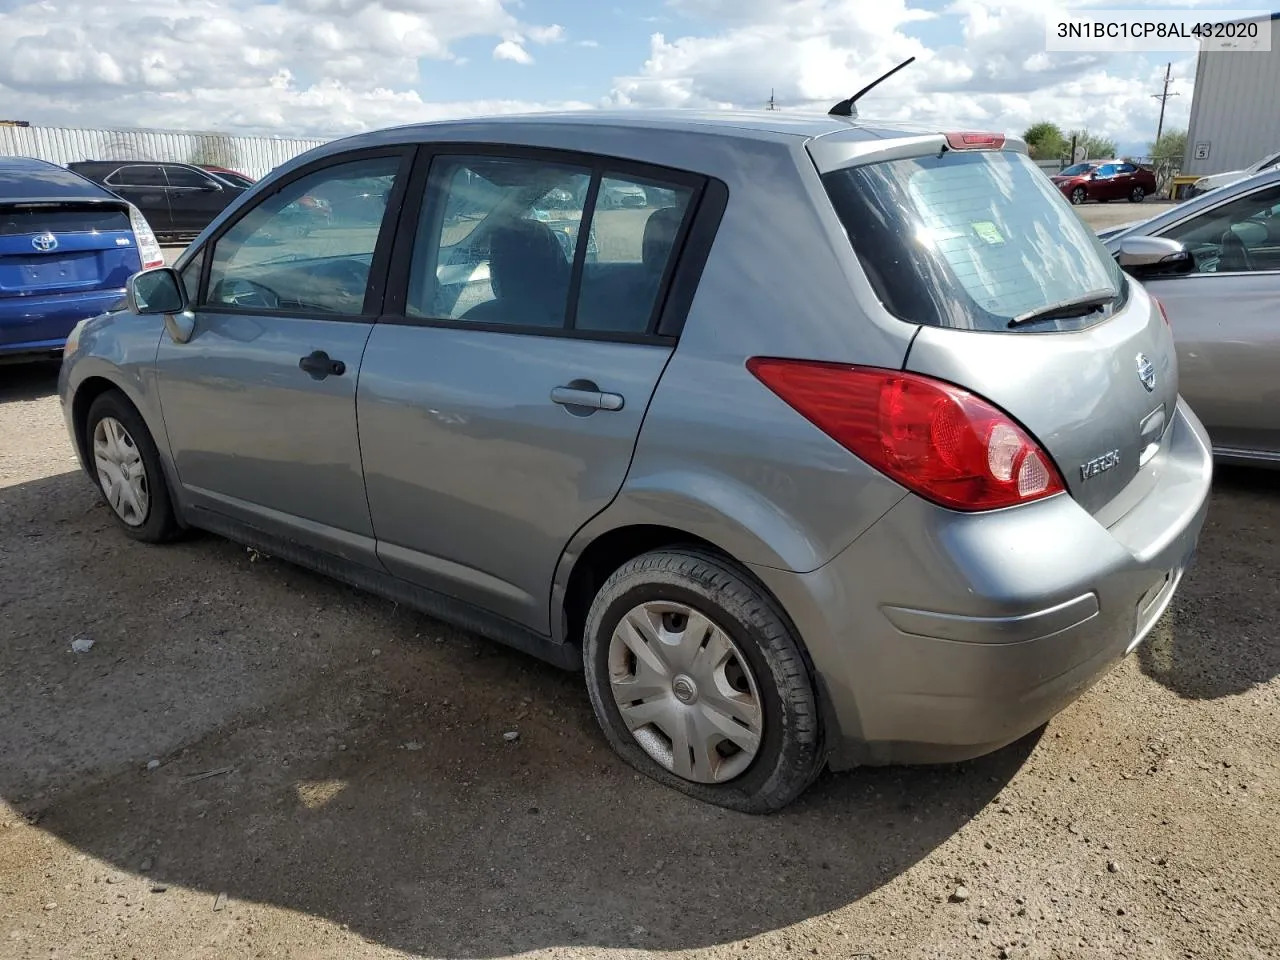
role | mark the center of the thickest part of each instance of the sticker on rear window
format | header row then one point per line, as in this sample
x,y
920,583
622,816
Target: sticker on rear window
x,y
987,232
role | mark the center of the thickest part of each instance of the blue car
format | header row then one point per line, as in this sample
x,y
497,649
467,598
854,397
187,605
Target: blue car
x,y
67,249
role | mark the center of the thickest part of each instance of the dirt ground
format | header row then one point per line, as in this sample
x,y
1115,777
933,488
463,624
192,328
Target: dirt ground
x,y
252,761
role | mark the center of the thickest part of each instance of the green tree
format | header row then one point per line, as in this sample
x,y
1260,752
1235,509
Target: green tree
x,y
1045,141
1170,148
1096,147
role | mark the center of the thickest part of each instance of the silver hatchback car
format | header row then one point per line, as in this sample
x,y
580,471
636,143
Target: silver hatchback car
x,y
845,443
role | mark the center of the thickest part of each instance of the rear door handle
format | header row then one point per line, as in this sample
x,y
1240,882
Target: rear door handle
x,y
319,365
586,396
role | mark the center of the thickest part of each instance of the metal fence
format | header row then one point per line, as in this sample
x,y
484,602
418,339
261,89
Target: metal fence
x,y
254,156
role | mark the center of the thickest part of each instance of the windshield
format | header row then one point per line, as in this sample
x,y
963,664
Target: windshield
x,y
1266,163
970,240
1077,170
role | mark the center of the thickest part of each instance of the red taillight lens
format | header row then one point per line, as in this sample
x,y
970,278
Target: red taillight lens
x,y
936,439
148,249
975,141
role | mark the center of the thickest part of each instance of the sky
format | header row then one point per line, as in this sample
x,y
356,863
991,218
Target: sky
x,y
332,67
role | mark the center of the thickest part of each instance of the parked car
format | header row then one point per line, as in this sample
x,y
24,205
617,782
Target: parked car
x,y
614,193
879,458
1215,180
1214,263
233,177
1105,180
67,246
178,199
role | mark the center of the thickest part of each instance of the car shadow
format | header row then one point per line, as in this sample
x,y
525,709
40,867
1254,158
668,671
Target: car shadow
x,y
28,381
324,752
1212,643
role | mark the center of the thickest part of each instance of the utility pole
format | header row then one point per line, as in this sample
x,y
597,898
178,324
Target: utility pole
x,y
1163,96
772,104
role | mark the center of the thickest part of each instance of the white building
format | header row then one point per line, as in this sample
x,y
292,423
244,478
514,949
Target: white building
x,y
1235,109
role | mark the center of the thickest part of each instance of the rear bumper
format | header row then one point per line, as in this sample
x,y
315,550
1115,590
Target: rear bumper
x,y
940,636
40,325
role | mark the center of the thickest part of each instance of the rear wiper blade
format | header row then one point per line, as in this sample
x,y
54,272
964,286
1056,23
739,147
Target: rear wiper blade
x,y
1076,306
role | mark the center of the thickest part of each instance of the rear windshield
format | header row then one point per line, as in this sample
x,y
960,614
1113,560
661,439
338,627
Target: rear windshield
x,y
88,219
970,240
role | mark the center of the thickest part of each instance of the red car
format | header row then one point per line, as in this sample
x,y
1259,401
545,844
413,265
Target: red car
x,y
1105,180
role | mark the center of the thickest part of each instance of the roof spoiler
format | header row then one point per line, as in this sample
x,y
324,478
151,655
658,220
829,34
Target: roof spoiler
x,y
849,108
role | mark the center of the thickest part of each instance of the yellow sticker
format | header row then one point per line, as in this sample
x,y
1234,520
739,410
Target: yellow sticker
x,y
987,231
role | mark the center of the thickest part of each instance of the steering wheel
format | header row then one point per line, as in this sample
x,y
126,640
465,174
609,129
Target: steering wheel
x,y
352,278
245,293
1234,256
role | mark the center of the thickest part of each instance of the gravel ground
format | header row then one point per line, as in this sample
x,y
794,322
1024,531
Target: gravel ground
x,y
252,761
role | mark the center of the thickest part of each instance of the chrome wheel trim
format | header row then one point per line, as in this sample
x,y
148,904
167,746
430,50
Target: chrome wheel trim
x,y
686,692
121,472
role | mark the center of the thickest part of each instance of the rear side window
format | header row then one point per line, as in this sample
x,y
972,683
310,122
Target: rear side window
x,y
501,241
186,177
969,240
140,175
88,219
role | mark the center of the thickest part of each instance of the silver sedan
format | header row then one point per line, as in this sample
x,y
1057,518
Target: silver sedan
x,y
1214,265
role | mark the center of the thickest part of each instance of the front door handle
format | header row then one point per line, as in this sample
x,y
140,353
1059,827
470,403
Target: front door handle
x,y
319,365
586,397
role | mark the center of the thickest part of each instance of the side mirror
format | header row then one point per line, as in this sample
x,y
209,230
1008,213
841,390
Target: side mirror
x,y
1148,257
156,291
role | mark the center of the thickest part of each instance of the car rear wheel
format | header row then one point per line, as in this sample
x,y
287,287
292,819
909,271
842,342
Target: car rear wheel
x,y
1137,195
127,467
1078,195
698,682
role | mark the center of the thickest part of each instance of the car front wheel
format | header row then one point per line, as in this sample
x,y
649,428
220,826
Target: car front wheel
x,y
1078,195
127,467
1137,195
698,682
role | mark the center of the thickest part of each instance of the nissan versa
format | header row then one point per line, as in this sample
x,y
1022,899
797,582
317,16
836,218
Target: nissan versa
x,y
849,445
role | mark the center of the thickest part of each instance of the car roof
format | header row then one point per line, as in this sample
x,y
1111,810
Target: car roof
x,y
26,178
740,124
1196,204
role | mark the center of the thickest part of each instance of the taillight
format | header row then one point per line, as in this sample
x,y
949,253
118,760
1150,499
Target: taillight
x,y
148,247
934,438
1164,314
975,141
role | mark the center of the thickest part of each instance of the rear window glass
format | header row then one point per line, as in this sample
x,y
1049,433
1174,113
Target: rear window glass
x,y
61,220
969,239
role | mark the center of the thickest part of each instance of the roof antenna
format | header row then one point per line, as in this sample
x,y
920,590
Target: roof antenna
x,y
849,108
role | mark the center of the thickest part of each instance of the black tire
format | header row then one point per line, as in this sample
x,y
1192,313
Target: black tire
x,y
792,751
160,523
1137,195
1079,195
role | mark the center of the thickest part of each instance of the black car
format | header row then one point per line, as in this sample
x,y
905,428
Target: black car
x,y
178,199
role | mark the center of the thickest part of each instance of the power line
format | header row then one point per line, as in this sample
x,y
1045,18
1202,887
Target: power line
x,y
1163,96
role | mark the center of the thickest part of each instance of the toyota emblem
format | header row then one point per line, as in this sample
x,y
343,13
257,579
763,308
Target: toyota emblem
x,y
1146,372
45,242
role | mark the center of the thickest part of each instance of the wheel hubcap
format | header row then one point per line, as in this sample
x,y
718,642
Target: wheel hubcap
x,y
686,692
121,471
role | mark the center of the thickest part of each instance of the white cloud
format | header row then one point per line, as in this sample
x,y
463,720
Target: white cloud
x,y
297,67
511,50
549,34
307,67
986,64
